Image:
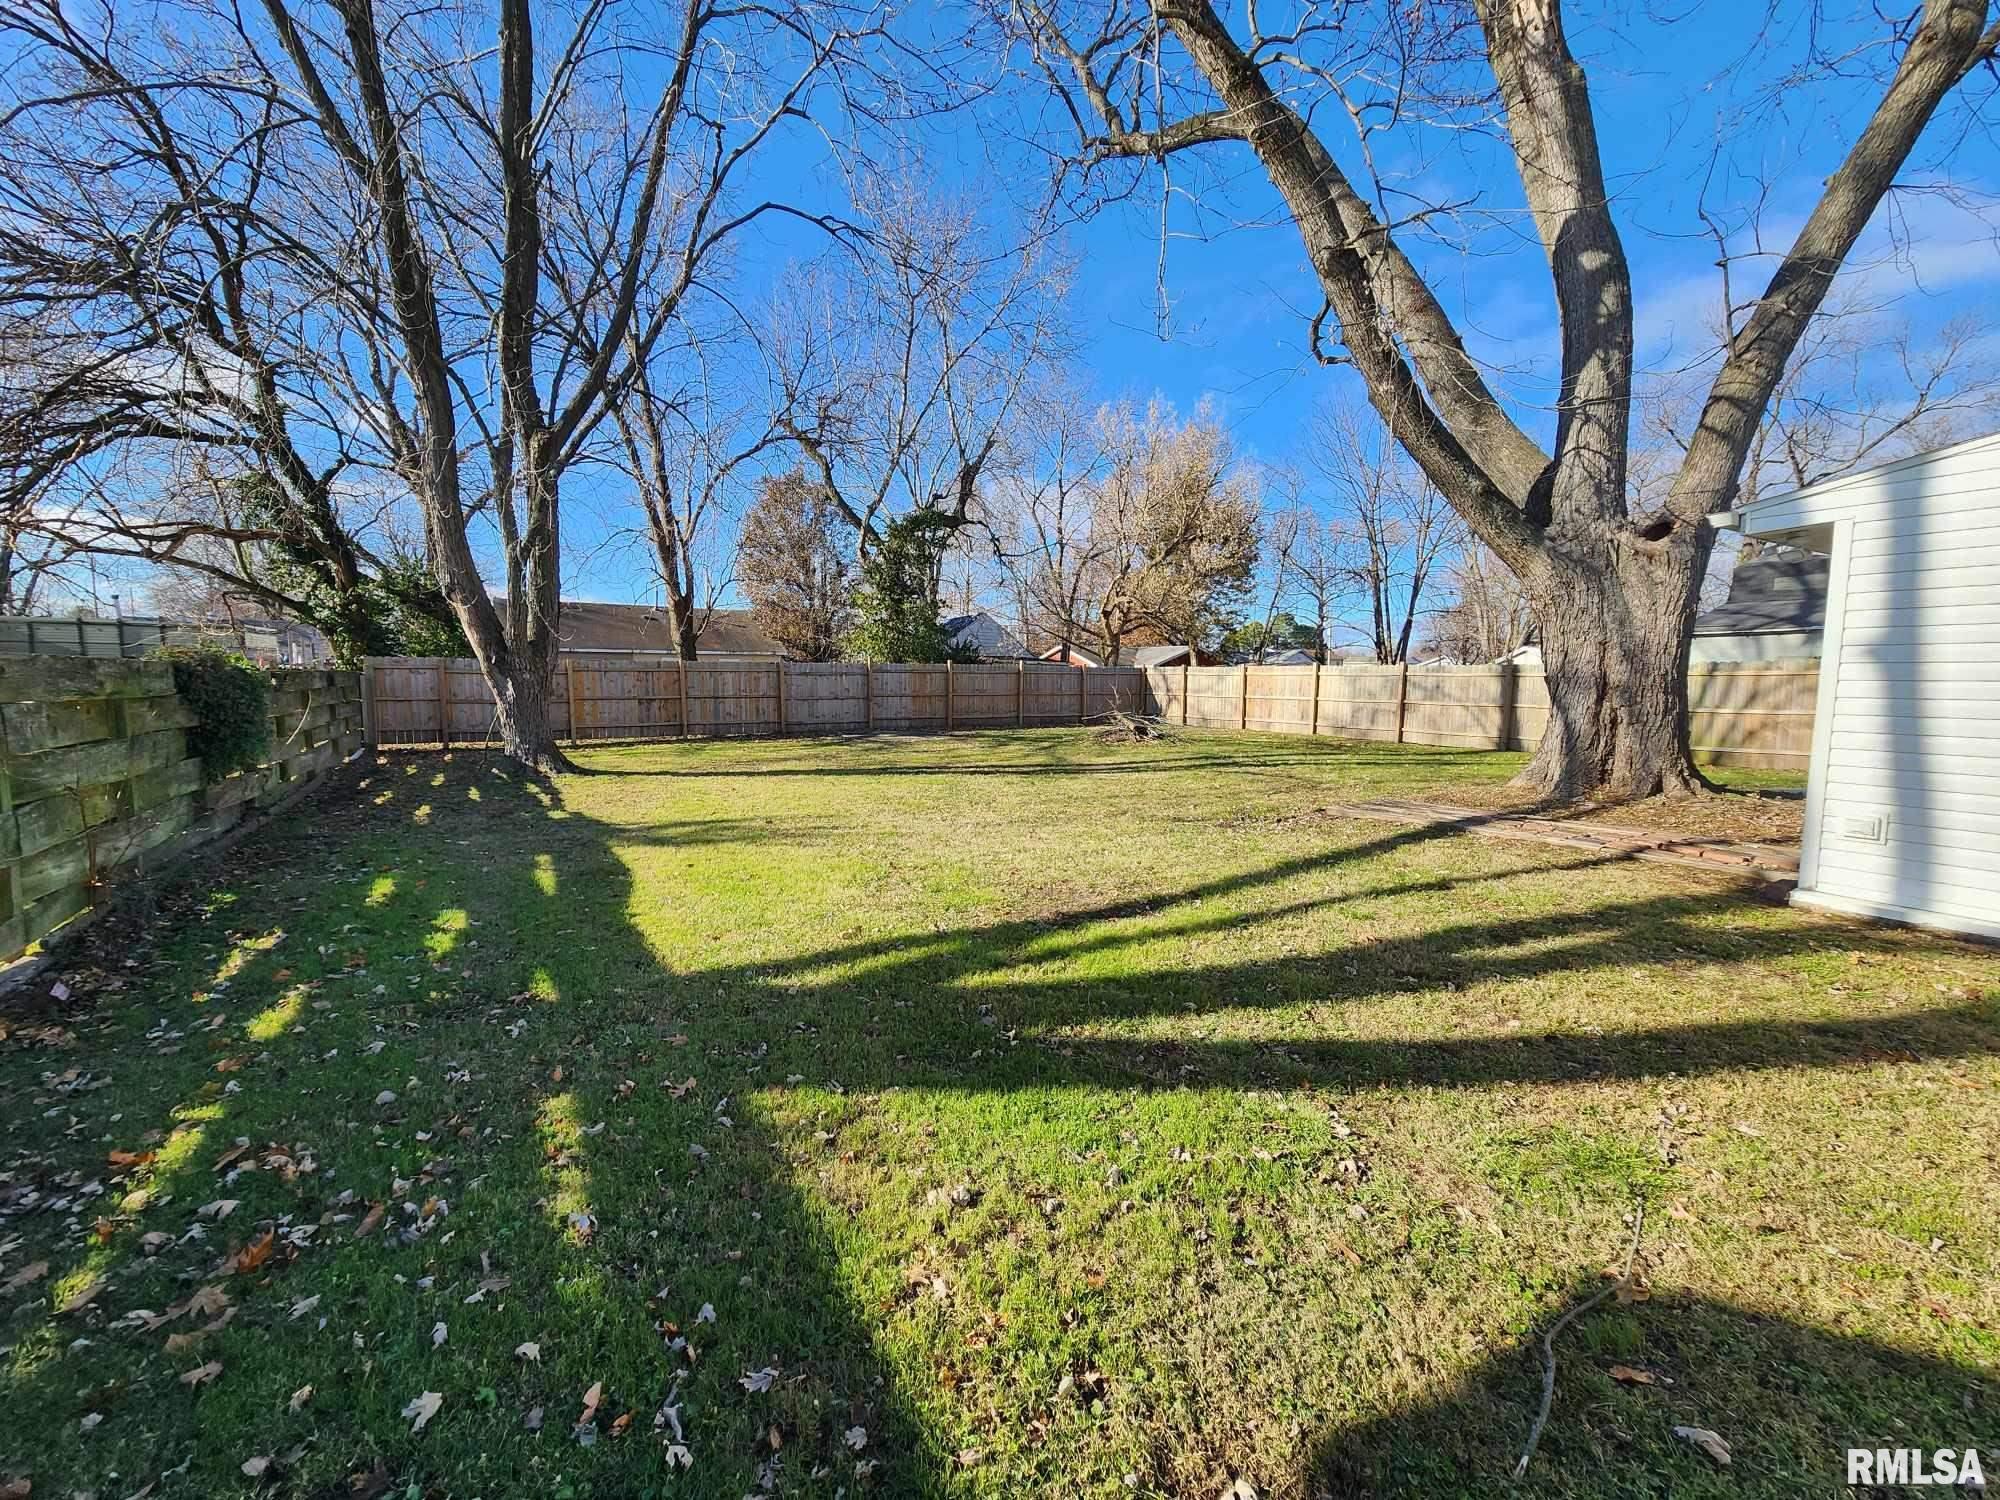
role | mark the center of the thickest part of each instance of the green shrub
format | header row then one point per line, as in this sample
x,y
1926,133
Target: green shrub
x,y
233,701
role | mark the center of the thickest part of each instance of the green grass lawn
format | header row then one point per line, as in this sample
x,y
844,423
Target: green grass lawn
x,y
1002,1114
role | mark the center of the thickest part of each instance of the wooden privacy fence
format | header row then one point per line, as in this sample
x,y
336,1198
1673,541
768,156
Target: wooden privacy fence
x,y
1756,715
610,696
96,779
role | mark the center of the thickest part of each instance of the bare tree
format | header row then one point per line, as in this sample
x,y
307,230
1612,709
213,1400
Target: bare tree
x,y
1045,522
1613,589
477,234
904,367
1313,554
1394,523
1488,615
160,400
684,457
795,568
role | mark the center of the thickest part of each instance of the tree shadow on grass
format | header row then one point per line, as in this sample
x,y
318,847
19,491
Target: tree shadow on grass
x,y
506,1203
1787,1400
584,1107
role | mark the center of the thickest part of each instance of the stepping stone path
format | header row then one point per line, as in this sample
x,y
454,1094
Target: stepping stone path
x,y
1769,862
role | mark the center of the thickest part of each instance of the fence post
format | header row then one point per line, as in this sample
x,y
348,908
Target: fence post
x,y
1402,697
781,696
569,684
687,729
1184,690
444,701
868,669
1318,667
1082,699
948,680
371,727
1243,698
1020,692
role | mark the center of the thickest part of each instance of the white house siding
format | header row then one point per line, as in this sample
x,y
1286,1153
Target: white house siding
x,y
1905,804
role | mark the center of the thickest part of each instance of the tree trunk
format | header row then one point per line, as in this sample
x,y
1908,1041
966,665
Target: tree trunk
x,y
520,669
1612,617
527,733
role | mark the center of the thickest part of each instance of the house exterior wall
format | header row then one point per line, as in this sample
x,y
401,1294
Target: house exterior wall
x,y
1903,810
1770,645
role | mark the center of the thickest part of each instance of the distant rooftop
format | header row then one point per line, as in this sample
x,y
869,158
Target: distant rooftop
x,y
590,626
1780,591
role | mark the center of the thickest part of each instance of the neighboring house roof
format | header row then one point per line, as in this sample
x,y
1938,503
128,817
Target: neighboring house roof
x,y
1290,657
590,626
1778,591
1170,656
981,631
1079,656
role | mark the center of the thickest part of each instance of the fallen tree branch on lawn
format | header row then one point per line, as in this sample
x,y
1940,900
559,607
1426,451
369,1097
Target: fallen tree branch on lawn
x,y
1549,1340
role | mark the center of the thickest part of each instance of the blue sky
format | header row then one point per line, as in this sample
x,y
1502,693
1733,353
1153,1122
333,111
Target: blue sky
x,y
1687,106
1686,111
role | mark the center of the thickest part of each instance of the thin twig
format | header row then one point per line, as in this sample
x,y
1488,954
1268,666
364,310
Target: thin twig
x,y
1549,1340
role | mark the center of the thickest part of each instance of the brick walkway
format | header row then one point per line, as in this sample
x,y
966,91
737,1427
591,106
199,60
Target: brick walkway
x,y
1769,862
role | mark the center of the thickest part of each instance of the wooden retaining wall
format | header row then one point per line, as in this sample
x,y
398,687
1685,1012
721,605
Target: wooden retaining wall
x,y
636,696
1757,715
96,782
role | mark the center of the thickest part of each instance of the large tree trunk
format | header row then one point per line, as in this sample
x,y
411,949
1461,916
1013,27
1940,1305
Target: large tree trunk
x,y
1616,662
527,732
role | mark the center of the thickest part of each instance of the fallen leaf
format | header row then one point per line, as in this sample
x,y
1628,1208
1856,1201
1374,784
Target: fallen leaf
x,y
208,1301
1710,1443
202,1374
220,1208
590,1399
530,1350
131,1158
423,1408
232,1153
81,1295
368,1222
33,1271
254,1467
532,1420
1626,1375
154,1242
624,1421
758,1380
855,1438
300,1397
253,1255
305,1305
